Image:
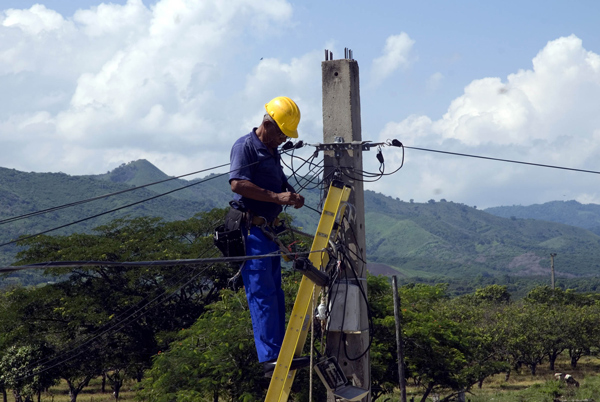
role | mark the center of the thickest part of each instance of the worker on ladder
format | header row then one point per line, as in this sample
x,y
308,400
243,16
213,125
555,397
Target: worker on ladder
x,y
260,190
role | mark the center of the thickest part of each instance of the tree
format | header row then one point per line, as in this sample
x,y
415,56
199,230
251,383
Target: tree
x,y
22,371
481,313
213,358
493,295
526,329
582,330
437,346
114,319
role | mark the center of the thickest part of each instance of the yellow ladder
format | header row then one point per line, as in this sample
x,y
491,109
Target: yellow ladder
x,y
297,329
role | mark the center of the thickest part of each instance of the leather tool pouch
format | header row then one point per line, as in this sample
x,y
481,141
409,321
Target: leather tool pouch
x,y
229,238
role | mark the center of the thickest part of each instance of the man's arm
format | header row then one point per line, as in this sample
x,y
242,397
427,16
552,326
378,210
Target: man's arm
x,y
248,189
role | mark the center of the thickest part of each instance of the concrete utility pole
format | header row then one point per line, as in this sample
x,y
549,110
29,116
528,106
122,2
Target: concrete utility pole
x,y
342,124
552,255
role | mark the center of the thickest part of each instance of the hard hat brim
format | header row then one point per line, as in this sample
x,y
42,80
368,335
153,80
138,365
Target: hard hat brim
x,y
288,133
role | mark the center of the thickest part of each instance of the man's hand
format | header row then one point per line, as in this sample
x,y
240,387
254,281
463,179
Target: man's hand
x,y
250,190
289,198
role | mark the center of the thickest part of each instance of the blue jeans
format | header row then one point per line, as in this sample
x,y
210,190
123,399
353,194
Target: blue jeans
x,y
262,282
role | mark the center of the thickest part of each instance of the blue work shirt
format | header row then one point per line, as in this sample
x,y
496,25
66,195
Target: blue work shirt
x,y
252,161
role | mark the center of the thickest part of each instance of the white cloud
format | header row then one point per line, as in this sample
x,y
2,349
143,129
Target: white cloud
x,y
300,79
34,21
547,115
129,80
396,54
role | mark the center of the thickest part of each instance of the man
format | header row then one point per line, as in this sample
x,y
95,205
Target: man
x,y
261,188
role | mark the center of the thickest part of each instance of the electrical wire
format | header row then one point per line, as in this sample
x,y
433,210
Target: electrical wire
x,y
119,208
504,160
377,176
345,258
129,318
84,201
118,319
158,263
115,327
52,209
310,175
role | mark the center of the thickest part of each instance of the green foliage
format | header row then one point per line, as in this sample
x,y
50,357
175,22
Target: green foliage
x,y
136,311
20,370
215,356
494,294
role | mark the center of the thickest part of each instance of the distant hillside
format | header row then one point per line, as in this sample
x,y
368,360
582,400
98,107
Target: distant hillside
x,y
435,239
211,190
572,213
446,238
24,193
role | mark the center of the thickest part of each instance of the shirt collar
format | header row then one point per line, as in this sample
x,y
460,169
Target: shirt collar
x,y
258,144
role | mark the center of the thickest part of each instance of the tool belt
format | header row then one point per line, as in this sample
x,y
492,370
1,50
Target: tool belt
x,y
229,237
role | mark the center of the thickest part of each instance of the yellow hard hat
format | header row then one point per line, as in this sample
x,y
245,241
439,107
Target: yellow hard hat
x,y
286,114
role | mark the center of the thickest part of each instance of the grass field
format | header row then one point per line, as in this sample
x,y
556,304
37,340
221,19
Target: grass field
x,y
521,387
91,393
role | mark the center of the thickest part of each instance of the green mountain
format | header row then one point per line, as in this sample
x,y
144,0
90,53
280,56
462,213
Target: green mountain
x,y
25,193
572,213
435,239
454,240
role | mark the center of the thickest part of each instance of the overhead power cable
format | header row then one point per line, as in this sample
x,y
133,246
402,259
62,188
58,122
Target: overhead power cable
x,y
109,211
63,356
72,204
121,317
117,209
287,147
504,160
158,263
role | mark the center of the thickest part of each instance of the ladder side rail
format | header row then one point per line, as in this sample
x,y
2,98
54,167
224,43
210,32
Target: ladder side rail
x,y
298,325
318,263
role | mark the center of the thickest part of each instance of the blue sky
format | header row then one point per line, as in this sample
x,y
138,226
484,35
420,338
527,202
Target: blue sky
x,y
88,85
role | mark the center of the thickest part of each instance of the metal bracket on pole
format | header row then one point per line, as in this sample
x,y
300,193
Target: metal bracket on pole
x,y
347,146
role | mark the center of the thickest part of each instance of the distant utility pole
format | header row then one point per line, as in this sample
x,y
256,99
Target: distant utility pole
x,y
552,255
342,125
399,341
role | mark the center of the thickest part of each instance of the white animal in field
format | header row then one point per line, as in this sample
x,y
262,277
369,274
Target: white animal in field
x,y
568,378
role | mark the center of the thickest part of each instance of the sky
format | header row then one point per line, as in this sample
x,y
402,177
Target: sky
x,y
86,86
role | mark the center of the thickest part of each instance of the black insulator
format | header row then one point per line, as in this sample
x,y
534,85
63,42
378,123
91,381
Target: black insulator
x,y
396,143
287,146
